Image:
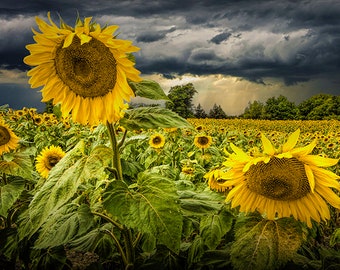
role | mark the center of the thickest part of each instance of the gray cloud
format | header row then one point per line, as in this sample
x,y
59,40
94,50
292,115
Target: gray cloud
x,y
220,37
294,41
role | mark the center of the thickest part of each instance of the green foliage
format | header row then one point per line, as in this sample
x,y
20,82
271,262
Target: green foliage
x,y
214,226
200,112
320,107
16,164
265,244
181,100
254,110
64,225
96,240
63,184
280,108
152,118
151,206
217,112
9,193
148,89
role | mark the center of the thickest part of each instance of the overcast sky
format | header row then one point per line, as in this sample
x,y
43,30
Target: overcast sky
x,y
234,52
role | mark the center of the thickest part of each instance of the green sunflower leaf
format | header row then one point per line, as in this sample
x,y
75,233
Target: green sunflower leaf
x,y
148,89
66,224
97,240
17,164
10,193
62,186
152,207
265,244
214,226
152,118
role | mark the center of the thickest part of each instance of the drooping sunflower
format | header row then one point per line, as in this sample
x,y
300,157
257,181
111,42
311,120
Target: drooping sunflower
x,y
8,139
47,159
282,182
215,180
202,141
86,69
157,141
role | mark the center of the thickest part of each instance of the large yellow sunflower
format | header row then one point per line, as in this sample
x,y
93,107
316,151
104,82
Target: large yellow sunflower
x,y
47,159
8,139
282,182
84,68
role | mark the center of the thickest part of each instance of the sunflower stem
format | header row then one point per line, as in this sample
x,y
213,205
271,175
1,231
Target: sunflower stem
x,y
4,178
116,163
122,140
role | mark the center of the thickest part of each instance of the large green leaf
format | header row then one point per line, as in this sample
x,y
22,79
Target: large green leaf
x,y
17,164
68,223
63,183
97,240
152,118
265,244
152,207
200,203
148,89
9,194
214,226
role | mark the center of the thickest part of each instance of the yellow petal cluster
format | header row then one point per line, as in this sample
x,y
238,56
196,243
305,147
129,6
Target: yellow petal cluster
x,y
86,69
283,182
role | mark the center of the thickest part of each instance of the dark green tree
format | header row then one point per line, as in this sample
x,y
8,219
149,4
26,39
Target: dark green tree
x,y
321,106
200,112
254,110
280,108
217,112
181,100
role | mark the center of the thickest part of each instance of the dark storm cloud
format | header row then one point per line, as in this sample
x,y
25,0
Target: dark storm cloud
x,y
152,36
291,40
220,38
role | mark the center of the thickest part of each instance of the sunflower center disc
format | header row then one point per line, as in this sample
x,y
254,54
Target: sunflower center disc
x,y
157,140
89,70
202,140
4,136
52,161
281,179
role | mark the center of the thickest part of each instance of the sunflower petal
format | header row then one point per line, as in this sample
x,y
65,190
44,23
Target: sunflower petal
x,y
68,40
310,176
303,151
291,142
319,161
242,156
268,147
329,196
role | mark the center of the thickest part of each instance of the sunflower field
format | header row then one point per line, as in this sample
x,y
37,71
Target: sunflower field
x,y
95,185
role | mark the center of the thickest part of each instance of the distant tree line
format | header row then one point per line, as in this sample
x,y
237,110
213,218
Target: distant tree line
x,y
318,107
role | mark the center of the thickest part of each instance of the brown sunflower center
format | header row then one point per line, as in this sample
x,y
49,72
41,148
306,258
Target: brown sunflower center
x,y
51,161
281,179
157,140
89,70
202,140
5,136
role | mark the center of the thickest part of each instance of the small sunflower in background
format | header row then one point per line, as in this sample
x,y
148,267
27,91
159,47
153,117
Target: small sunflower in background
x,y
8,139
86,69
215,180
47,159
157,141
282,182
202,141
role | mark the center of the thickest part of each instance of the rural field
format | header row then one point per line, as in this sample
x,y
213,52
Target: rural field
x,y
64,205
96,182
